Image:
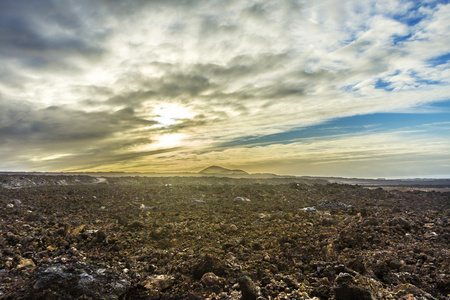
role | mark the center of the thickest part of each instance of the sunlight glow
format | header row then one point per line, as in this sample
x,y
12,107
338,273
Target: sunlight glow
x,y
52,157
170,114
170,140
164,141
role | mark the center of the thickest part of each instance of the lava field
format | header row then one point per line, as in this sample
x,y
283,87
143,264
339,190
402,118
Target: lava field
x,y
80,237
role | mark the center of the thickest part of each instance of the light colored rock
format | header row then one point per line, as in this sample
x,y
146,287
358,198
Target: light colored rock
x,y
159,282
312,208
25,262
243,199
211,279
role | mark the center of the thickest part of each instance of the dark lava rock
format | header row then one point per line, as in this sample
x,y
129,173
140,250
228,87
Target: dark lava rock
x,y
332,204
346,289
34,217
248,288
357,264
328,221
136,225
348,238
345,279
100,236
12,239
76,281
346,292
400,222
322,289
381,270
122,220
206,264
137,292
297,186
443,284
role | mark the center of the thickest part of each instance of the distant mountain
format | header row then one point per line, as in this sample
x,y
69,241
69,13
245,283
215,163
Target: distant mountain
x,y
222,171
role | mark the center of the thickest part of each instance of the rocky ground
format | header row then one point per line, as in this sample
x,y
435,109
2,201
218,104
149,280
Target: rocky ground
x,y
220,238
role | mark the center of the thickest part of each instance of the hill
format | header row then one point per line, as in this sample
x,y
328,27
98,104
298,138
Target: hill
x,y
222,171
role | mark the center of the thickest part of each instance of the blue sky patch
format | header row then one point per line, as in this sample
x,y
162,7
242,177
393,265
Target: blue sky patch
x,y
439,60
379,122
381,84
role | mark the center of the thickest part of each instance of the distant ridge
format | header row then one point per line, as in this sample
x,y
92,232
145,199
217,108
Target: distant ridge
x,y
222,171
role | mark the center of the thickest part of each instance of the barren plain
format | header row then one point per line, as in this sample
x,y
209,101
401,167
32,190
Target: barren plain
x,y
81,237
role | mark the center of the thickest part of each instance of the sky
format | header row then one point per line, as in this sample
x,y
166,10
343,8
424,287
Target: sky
x,y
300,87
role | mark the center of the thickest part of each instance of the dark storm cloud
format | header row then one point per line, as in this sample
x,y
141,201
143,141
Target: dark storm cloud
x,y
126,8
45,34
135,98
60,124
85,139
182,84
169,86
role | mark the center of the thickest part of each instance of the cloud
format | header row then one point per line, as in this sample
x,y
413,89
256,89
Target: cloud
x,y
72,136
43,35
62,125
86,77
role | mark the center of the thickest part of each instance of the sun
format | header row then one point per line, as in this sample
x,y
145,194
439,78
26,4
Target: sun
x,y
164,141
169,140
170,114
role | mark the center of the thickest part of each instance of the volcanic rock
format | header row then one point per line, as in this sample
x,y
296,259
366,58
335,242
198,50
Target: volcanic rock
x,y
346,292
391,244
25,262
332,204
400,222
248,288
242,199
207,264
211,279
136,225
76,281
159,282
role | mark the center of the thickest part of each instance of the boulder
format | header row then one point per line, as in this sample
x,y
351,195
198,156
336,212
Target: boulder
x,y
76,281
248,288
